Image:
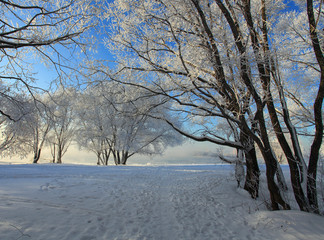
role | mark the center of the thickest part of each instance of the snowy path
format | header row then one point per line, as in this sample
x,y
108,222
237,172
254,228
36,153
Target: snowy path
x,y
171,202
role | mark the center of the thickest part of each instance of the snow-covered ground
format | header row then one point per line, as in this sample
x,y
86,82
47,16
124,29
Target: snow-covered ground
x,y
69,202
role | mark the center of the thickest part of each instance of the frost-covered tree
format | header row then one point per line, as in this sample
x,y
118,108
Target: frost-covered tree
x,y
117,121
221,59
62,116
39,124
27,133
16,107
37,31
187,47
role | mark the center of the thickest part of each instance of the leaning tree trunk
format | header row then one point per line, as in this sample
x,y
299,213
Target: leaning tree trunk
x,y
275,194
317,142
296,163
106,155
263,65
271,164
99,160
269,159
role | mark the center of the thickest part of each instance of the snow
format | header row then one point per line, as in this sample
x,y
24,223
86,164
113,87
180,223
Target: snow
x,y
139,202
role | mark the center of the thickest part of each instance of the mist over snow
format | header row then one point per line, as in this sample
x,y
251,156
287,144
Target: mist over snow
x,y
188,153
75,202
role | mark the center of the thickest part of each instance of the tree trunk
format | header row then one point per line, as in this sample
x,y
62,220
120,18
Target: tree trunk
x,y
297,164
252,173
263,65
317,142
53,153
275,195
118,157
270,161
252,167
99,161
239,168
59,155
115,157
124,157
37,156
106,156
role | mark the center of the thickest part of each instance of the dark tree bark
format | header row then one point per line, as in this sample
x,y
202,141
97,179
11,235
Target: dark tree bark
x,y
263,64
124,157
54,153
99,161
106,156
264,144
271,169
317,142
116,157
252,173
37,156
264,70
59,154
252,167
